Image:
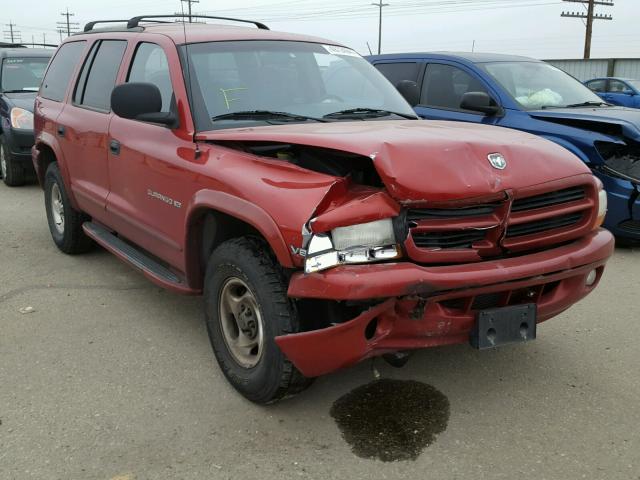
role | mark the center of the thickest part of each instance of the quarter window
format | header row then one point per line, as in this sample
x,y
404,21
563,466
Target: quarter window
x,y
396,72
150,65
56,80
444,86
103,68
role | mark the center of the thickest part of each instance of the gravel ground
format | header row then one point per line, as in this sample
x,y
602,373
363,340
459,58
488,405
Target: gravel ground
x,y
109,377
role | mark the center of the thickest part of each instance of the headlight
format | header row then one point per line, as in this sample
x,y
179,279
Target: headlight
x,y
363,243
21,118
602,205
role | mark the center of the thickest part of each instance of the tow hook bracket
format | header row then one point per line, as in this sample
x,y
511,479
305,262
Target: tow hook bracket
x,y
503,326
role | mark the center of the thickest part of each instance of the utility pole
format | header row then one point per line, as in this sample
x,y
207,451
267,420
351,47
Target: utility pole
x,y
44,38
12,34
67,24
590,16
60,32
380,5
189,2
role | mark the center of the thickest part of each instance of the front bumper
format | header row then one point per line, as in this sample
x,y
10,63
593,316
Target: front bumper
x,y
623,214
428,306
19,143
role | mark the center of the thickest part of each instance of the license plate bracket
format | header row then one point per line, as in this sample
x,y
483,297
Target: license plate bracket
x,y
502,326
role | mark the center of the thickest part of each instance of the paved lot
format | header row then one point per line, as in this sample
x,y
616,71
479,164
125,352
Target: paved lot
x,y
112,378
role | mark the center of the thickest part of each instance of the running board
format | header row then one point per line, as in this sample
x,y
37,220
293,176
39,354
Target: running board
x,y
152,269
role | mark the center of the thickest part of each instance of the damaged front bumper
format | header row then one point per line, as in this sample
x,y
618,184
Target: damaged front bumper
x,y
420,307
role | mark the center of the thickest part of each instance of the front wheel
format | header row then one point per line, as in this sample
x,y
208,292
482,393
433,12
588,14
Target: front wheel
x,y
12,172
246,304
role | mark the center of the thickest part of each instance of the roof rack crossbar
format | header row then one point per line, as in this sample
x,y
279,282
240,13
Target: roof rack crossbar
x,y
135,21
89,26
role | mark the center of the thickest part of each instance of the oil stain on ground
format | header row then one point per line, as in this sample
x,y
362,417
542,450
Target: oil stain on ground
x,y
391,419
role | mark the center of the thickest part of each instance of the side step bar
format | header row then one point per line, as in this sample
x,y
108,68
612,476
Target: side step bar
x,y
152,269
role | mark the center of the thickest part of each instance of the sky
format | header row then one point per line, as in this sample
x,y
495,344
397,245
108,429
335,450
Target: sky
x,y
523,27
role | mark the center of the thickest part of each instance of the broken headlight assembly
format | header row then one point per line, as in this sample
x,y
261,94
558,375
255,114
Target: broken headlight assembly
x,y
362,243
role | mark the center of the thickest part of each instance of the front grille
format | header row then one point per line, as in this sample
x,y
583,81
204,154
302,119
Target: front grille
x,y
549,199
449,239
630,226
417,214
538,226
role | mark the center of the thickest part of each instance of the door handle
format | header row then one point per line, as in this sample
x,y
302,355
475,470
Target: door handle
x,y
61,130
114,146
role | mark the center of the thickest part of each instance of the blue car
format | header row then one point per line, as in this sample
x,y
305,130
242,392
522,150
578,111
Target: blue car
x,y
617,91
533,96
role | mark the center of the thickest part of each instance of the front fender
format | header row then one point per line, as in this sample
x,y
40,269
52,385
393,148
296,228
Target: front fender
x,y
578,152
205,200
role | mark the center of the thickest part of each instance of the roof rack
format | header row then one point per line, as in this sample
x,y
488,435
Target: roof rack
x,y
89,26
135,21
26,45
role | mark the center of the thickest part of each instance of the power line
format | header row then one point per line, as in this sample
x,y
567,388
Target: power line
x,y
380,5
590,16
66,24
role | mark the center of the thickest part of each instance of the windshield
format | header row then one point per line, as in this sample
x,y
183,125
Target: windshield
x,y
22,73
537,85
307,80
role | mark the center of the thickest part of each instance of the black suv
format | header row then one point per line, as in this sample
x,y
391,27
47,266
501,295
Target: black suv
x,y
21,71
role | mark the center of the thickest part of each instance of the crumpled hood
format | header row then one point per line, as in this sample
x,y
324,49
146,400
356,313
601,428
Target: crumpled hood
x,y
429,160
24,100
627,118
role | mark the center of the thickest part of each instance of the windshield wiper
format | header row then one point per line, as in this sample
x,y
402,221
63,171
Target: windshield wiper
x,y
366,112
20,90
265,115
587,104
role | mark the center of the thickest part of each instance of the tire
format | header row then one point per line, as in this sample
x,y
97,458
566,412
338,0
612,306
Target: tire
x,y
65,223
241,272
12,173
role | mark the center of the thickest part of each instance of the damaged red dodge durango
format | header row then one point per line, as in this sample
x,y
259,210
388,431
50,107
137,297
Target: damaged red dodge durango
x,y
284,179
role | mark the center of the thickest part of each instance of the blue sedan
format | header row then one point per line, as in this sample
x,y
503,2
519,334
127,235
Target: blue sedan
x,y
617,91
533,96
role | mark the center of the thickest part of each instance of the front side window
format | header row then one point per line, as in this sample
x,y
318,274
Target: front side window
x,y
396,72
150,65
94,88
56,80
22,73
536,85
296,78
444,86
616,86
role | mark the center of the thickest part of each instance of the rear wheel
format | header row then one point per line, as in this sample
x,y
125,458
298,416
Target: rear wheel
x,y
65,223
246,308
12,172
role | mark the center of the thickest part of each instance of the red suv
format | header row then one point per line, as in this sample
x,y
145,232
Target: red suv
x,y
283,178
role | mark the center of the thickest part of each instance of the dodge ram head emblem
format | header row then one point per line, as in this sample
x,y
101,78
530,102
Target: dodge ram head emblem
x,y
497,160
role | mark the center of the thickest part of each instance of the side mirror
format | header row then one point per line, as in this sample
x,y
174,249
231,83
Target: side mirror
x,y
409,90
140,101
479,102
629,92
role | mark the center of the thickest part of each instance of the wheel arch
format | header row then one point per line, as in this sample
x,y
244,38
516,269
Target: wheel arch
x,y
214,217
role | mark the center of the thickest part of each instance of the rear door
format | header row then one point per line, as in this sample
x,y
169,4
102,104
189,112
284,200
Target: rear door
x,y
442,89
84,123
149,183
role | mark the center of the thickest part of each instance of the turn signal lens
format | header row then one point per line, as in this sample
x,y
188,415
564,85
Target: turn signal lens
x,y
602,207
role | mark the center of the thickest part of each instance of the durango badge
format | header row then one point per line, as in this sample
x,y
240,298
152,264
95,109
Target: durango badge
x,y
497,160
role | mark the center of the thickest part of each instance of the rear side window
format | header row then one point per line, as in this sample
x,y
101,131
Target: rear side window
x,y
597,85
444,86
59,73
616,86
94,88
396,72
150,65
